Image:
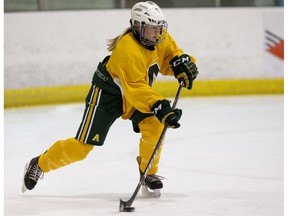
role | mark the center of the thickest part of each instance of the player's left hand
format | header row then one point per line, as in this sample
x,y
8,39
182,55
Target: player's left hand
x,y
184,70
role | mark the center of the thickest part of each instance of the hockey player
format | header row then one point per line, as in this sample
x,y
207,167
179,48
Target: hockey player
x,y
121,86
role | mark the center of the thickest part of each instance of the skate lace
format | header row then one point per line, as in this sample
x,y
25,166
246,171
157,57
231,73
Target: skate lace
x,y
153,178
36,173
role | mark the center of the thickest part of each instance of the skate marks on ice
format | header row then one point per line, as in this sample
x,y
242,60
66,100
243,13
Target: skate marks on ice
x,y
86,204
40,205
228,155
170,204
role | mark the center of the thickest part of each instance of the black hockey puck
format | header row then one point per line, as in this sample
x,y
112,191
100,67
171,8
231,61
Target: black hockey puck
x,y
125,207
128,209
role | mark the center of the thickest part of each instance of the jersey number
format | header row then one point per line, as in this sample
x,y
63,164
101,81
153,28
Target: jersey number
x,y
152,73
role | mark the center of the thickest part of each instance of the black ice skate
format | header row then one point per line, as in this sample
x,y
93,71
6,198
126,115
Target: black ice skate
x,y
32,173
152,185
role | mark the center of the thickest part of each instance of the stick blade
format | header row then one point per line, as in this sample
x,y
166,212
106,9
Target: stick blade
x,y
124,207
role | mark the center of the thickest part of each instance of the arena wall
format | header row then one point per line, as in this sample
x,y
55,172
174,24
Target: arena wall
x,y
50,57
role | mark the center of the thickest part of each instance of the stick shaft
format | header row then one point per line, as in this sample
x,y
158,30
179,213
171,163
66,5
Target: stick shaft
x,y
152,158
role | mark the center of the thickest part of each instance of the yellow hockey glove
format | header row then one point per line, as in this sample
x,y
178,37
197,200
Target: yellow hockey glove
x,y
184,70
165,114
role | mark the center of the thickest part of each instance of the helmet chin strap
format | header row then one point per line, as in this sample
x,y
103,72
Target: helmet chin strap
x,y
132,27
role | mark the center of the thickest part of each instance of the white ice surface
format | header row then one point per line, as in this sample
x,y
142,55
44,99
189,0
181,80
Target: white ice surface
x,y
227,159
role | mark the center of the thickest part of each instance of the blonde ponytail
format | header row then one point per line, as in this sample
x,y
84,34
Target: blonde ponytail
x,y
111,43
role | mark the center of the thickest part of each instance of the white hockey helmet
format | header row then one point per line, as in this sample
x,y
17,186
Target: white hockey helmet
x,y
145,14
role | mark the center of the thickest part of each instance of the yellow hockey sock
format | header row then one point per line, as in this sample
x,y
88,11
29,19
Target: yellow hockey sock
x,y
62,153
151,130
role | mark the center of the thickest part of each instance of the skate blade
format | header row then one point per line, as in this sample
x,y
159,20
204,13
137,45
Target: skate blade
x,y
24,189
148,193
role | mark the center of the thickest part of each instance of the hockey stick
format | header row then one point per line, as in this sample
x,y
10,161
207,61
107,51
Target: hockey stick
x,y
125,206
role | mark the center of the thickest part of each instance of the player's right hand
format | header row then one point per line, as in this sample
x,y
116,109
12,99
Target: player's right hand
x,y
164,112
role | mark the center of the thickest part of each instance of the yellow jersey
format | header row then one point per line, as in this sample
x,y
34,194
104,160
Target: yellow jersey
x,y
134,69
